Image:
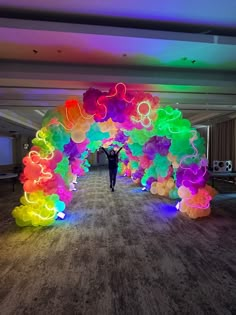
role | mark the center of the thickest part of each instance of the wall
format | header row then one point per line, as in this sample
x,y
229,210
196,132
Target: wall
x,y
18,151
97,158
6,155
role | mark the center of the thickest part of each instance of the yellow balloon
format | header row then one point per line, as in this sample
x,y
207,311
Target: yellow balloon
x,y
153,189
161,191
170,183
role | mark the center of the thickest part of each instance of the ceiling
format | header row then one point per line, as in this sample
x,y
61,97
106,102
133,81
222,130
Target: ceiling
x,y
92,49
52,50
212,13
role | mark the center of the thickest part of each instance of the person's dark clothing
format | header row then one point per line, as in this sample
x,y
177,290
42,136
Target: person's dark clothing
x,y
112,173
112,165
112,161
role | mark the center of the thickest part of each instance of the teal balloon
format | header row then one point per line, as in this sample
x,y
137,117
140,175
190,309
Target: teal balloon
x,y
134,165
136,149
150,172
95,133
162,165
60,206
58,136
173,194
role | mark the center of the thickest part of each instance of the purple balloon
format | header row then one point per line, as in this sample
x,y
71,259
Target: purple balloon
x,y
71,150
191,176
126,161
121,137
116,109
138,174
156,145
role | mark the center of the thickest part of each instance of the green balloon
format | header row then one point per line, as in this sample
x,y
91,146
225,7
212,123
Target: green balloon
x,y
162,165
63,167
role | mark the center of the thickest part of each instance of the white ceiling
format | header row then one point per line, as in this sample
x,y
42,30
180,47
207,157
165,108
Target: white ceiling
x,y
185,54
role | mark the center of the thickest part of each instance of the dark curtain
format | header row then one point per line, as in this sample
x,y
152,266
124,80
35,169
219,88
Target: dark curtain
x,y
222,142
203,133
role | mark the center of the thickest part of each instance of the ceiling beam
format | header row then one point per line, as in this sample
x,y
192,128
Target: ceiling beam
x,y
20,120
202,117
115,31
212,118
186,103
111,74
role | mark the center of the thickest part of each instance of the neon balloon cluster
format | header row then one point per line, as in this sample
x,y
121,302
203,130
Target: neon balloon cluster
x,y
162,152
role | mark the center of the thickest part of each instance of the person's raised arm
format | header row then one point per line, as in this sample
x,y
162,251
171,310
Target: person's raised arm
x,y
120,149
105,151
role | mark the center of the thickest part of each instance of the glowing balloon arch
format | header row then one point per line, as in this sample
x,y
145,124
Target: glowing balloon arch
x,y
162,152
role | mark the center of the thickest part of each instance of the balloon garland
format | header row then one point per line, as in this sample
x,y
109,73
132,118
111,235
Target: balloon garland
x,y
162,152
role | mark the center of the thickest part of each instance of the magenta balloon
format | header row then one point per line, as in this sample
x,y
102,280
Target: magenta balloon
x,y
90,98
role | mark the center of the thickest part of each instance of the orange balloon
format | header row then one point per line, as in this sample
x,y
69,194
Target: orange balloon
x,y
78,136
153,189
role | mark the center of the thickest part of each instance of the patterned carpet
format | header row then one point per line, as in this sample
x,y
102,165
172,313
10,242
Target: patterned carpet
x,y
126,252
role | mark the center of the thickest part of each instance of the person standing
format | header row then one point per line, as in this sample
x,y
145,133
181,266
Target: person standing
x,y
112,157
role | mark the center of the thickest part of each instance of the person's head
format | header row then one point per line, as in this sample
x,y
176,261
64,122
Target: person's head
x,y
112,152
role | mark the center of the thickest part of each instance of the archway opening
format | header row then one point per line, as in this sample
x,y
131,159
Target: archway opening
x,y
162,152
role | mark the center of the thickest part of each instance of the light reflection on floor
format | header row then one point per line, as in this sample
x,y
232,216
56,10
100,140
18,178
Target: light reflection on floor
x,y
167,210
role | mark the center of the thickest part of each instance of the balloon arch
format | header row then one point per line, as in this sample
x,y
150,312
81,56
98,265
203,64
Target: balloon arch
x,y
162,152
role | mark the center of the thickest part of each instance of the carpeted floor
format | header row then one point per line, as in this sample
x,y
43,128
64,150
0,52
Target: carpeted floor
x,y
126,252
